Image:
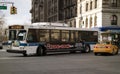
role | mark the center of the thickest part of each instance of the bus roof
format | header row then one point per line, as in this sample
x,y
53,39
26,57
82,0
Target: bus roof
x,y
62,26
50,24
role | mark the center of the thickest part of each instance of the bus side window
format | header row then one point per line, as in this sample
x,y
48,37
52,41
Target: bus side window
x,y
30,37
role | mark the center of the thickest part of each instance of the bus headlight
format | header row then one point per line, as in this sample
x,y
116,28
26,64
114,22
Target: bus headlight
x,y
8,47
22,48
16,43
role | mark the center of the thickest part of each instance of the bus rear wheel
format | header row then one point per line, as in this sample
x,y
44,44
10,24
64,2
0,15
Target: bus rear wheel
x,y
86,49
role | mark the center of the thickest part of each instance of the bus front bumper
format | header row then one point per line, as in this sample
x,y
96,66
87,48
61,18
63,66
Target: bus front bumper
x,y
16,51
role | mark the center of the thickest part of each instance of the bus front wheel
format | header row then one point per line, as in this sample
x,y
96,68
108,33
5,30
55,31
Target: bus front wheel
x,y
25,54
40,51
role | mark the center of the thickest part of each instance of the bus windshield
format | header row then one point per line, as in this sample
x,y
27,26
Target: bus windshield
x,y
21,35
12,34
17,34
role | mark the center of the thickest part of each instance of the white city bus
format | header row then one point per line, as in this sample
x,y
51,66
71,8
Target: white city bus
x,y
41,38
